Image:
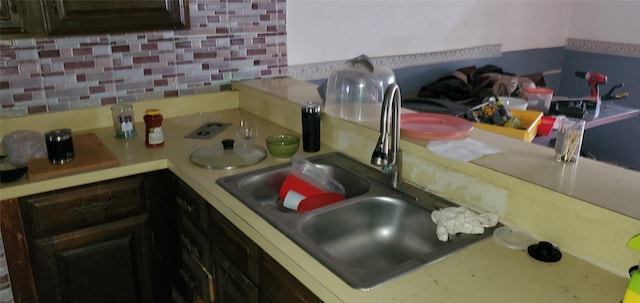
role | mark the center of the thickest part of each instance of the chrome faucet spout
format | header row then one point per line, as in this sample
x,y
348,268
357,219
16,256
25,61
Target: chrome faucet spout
x,y
387,153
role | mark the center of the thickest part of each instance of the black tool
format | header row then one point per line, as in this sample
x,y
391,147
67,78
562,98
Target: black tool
x,y
611,96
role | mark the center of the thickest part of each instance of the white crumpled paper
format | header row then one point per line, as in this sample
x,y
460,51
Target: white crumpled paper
x,y
462,150
453,220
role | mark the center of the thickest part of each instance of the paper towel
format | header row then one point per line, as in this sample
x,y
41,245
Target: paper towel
x,y
453,220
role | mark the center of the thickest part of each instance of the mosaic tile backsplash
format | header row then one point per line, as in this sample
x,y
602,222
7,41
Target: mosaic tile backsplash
x,y
227,40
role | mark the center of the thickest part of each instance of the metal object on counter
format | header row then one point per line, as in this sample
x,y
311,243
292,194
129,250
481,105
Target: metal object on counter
x,y
388,154
59,146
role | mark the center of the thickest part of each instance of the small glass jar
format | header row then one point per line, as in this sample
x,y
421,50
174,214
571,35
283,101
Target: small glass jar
x,y
123,121
153,128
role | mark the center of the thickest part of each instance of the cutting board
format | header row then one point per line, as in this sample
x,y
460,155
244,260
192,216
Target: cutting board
x,y
89,154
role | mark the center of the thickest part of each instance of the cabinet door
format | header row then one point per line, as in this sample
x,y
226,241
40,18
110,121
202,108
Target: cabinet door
x,y
104,263
194,283
113,16
278,285
232,285
237,247
20,17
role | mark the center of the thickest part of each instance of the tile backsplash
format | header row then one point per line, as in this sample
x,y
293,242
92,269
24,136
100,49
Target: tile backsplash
x,y
227,40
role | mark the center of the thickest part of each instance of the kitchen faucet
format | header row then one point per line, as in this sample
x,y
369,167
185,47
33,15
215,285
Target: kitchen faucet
x,y
386,155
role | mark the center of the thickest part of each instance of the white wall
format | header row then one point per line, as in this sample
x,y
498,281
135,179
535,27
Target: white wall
x,y
330,30
610,21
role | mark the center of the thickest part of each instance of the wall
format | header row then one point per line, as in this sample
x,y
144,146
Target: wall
x,y
618,142
320,31
228,40
612,21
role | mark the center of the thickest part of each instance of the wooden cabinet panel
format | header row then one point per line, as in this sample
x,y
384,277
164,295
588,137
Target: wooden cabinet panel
x,y
240,250
104,263
69,209
20,17
278,285
15,249
195,243
23,18
100,16
194,283
232,285
192,205
159,195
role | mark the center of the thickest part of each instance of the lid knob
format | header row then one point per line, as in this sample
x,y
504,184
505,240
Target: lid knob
x,y
227,144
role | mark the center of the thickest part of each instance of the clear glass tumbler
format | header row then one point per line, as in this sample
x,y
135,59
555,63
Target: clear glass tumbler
x,y
569,140
123,122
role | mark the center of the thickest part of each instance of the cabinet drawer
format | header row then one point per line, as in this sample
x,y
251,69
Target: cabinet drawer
x,y
193,242
194,283
241,250
192,205
82,206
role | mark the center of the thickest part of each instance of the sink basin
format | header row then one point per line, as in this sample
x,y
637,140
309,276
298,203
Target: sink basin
x,y
376,234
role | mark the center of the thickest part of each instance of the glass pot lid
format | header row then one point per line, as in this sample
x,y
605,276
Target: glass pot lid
x,y
228,156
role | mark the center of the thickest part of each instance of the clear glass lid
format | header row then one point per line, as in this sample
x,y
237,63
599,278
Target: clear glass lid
x,y
228,156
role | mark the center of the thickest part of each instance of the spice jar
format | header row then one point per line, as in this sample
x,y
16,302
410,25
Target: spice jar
x,y
153,125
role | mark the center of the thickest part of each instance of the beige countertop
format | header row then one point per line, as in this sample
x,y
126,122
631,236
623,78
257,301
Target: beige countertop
x,y
486,272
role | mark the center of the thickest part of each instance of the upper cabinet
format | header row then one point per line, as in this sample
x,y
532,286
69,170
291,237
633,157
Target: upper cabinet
x,y
21,18
80,17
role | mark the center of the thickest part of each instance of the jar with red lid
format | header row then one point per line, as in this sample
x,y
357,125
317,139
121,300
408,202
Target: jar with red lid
x,y
153,125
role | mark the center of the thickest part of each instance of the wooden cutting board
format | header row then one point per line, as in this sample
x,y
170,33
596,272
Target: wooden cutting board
x,y
90,154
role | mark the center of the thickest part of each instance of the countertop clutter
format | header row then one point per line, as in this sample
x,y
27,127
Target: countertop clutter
x,y
592,238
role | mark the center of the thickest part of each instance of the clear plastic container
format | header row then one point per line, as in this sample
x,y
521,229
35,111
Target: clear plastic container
x,y
569,140
355,90
308,172
539,98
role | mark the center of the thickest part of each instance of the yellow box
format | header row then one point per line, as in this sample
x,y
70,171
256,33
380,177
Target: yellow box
x,y
529,121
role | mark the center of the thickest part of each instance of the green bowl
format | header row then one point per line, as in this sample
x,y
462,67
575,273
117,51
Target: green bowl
x,y
283,145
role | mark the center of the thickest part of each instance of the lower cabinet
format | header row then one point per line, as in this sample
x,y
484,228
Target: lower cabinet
x,y
147,238
105,263
238,271
100,242
233,286
278,285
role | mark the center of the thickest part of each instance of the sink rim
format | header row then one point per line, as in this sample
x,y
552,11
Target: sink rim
x,y
290,223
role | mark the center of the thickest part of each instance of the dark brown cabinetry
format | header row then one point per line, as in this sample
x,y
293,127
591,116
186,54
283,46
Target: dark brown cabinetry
x,y
70,17
20,18
95,243
239,271
194,281
278,285
143,238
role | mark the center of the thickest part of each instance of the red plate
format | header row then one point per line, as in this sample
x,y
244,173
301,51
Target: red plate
x,y
434,126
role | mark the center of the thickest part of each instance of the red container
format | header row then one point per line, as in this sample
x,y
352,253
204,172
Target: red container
x,y
546,125
153,124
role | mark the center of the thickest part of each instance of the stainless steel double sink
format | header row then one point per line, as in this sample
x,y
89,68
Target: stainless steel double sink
x,y
376,234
